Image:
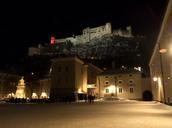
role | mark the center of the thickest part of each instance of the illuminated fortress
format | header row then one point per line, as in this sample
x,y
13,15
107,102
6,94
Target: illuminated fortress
x,y
91,33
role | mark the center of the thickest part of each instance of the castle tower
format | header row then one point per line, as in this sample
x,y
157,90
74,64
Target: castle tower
x,y
108,27
86,34
20,92
129,29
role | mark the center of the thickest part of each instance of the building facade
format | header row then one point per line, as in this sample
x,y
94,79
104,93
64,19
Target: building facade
x,y
70,77
161,63
121,84
8,83
41,89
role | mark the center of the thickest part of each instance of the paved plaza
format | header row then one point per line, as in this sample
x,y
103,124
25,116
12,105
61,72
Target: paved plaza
x,y
109,114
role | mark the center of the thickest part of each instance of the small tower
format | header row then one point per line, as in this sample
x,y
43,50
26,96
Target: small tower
x,y
129,29
108,28
20,92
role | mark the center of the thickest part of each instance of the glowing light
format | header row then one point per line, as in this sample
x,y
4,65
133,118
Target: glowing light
x,y
111,89
50,69
92,57
20,92
159,81
44,95
90,85
34,96
170,49
10,95
155,78
163,50
79,90
138,68
53,40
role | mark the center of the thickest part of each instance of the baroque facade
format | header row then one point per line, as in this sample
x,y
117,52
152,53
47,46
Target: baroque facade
x,y
72,77
124,84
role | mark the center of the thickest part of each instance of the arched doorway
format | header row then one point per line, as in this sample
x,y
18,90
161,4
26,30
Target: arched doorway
x,y
147,95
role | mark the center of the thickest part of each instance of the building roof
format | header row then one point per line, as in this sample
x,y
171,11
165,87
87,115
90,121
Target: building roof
x,y
120,71
77,59
67,58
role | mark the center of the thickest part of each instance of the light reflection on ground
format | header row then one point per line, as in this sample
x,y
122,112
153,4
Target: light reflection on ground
x,y
114,114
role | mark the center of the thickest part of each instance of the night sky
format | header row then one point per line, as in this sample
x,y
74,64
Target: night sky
x,y
26,24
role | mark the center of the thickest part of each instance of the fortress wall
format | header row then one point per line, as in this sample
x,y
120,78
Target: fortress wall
x,y
97,32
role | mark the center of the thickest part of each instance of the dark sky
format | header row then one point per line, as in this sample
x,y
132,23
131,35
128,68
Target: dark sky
x,y
25,24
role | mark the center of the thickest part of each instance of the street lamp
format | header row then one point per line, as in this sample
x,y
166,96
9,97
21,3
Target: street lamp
x,y
155,78
162,51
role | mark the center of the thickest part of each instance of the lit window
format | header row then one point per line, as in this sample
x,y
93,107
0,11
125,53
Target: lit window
x,y
120,90
43,95
34,95
107,90
131,90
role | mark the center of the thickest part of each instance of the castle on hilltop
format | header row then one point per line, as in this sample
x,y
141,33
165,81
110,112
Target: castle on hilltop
x,y
90,33
59,46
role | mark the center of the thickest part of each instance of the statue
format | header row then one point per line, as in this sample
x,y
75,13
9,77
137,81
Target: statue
x,y
20,92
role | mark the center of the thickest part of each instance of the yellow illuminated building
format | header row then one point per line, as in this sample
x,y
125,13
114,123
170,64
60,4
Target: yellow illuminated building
x,y
161,61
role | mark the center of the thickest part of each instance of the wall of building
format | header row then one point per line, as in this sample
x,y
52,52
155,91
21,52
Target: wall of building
x,y
8,83
34,51
80,76
161,62
76,80
146,84
44,89
63,77
92,84
121,84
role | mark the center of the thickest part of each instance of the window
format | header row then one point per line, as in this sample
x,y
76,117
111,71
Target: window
x,y
107,82
131,90
120,81
130,75
107,90
130,81
120,90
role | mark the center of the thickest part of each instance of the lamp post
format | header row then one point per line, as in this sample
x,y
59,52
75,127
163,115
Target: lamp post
x,y
162,51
